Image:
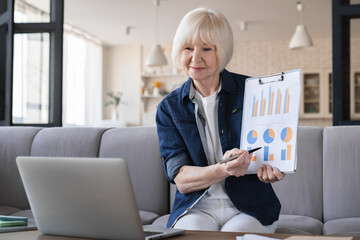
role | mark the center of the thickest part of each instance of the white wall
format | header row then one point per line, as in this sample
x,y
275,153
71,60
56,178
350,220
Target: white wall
x,y
123,66
122,73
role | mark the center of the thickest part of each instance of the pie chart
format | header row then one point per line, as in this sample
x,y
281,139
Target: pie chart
x,y
252,137
269,135
286,134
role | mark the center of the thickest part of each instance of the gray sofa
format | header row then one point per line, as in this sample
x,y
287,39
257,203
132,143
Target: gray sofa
x,y
322,197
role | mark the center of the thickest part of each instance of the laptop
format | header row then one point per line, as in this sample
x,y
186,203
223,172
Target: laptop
x,y
85,197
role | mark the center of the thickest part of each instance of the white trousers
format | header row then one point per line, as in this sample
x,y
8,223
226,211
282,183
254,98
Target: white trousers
x,y
220,215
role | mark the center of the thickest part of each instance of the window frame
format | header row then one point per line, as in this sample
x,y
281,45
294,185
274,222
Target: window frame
x,y
7,30
342,13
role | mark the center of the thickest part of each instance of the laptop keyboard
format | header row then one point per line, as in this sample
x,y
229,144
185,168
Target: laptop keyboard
x,y
147,233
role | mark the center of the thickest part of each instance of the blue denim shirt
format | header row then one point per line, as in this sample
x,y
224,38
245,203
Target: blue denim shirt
x,y
181,144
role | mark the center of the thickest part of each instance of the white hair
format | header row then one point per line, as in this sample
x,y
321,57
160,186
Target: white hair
x,y
208,26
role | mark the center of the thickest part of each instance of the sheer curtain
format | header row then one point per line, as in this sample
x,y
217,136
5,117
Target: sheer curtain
x,y
82,81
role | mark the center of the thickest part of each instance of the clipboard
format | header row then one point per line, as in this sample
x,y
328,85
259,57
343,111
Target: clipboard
x,y
270,120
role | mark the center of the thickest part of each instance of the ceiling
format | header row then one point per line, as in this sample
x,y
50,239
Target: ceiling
x,y
266,19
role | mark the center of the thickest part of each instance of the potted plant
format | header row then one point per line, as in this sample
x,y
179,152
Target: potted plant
x,y
114,100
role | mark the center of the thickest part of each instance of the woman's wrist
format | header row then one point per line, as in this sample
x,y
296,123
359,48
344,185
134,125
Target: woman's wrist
x,y
222,171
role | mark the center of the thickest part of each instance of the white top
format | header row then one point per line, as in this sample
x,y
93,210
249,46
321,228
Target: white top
x,y
208,107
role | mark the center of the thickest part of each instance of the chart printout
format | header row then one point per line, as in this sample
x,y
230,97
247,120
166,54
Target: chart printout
x,y
270,120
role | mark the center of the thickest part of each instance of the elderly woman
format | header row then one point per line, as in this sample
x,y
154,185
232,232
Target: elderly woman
x,y
198,124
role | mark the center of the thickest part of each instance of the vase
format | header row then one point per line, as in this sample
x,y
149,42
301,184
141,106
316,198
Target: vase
x,y
115,114
156,92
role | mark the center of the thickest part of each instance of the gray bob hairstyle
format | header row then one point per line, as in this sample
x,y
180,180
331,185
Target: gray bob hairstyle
x,y
203,25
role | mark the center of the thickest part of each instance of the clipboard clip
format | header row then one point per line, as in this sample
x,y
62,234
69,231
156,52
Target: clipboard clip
x,y
277,77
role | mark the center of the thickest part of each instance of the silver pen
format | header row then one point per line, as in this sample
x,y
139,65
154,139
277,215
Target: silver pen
x,y
237,155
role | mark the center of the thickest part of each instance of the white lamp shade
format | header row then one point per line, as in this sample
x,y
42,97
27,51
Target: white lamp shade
x,y
156,57
301,38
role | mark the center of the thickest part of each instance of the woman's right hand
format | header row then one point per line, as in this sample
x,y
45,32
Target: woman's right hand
x,y
238,166
194,178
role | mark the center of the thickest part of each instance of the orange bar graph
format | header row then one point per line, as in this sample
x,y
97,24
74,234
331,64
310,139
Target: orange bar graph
x,y
263,107
287,101
255,108
288,152
271,157
253,159
287,104
278,105
271,103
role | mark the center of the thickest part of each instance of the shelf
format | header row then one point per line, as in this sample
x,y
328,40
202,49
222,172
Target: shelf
x,y
163,75
311,85
317,101
151,97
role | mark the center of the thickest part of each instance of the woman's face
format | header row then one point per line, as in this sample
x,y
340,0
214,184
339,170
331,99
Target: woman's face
x,y
199,61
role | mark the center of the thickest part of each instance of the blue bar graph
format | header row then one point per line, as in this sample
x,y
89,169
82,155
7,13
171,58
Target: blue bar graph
x,y
266,153
283,154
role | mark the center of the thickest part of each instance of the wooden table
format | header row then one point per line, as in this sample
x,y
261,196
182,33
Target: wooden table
x,y
188,235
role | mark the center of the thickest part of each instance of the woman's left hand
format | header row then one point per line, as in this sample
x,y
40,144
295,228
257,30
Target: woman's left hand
x,y
269,174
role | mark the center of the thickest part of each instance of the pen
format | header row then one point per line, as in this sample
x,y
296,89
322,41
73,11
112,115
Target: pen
x,y
236,156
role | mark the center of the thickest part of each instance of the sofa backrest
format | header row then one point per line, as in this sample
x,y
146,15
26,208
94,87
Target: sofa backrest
x,y
300,193
139,146
341,172
14,141
67,142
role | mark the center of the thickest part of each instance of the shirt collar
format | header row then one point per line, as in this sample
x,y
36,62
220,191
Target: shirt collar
x,y
227,84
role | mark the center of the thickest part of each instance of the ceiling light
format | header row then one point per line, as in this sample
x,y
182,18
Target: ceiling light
x,y
243,26
156,57
127,30
301,37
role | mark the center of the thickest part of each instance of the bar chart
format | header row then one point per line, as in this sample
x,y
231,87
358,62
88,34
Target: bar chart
x,y
267,155
265,104
253,159
286,136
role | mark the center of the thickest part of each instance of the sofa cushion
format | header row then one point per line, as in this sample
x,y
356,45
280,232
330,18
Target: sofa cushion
x,y
147,217
300,193
341,170
343,226
14,141
161,221
298,224
5,210
24,213
67,142
139,146
291,224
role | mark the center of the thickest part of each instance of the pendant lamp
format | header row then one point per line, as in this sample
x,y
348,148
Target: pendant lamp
x,y
156,57
301,37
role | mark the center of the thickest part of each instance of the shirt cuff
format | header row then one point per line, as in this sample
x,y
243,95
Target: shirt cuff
x,y
174,164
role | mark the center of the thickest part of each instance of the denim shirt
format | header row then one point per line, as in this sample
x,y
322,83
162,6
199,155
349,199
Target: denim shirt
x,y
181,144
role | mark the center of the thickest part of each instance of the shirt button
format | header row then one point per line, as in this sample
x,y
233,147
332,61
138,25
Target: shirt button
x,y
222,131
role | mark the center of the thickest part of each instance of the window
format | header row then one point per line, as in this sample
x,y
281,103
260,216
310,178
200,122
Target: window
x,y
31,60
345,27
31,78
